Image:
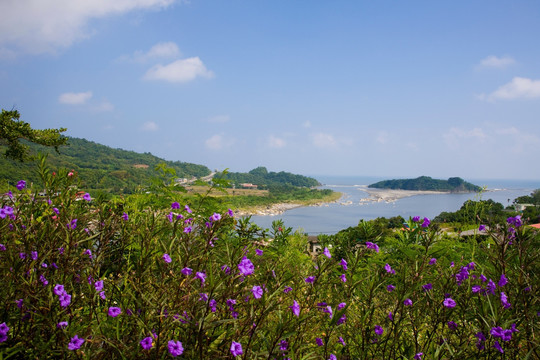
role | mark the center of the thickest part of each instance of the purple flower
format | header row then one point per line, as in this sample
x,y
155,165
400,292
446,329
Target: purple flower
x,y
295,308
340,339
257,292
389,269
187,209
62,324
332,357
19,303
379,330
170,217
188,229
166,258
75,343
87,197
504,301
230,212
433,261
212,304
497,346
491,287
175,205
341,320
427,287
246,267
21,184
236,349
372,246
287,289
390,316
88,252
186,271
258,252
114,311
343,263
310,279
482,228
418,356
4,328
426,222
390,287
416,219
102,295
326,253
146,343
34,255
319,341
22,256
98,285
407,302
476,289
283,345
175,348
329,311
201,276
343,278
43,280
452,325
125,216
72,224
502,281
215,217
58,289
449,303
341,305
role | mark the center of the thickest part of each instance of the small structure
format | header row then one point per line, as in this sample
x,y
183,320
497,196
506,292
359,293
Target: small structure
x,y
314,246
248,186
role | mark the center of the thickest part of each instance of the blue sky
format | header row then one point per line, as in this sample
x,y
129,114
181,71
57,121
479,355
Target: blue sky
x,y
368,88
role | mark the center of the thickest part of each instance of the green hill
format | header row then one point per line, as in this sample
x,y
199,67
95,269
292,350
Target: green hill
x,y
454,184
267,180
99,166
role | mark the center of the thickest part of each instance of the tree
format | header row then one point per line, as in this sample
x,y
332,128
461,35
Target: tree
x,y
12,130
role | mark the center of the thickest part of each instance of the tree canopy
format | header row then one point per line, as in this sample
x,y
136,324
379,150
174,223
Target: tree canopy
x,y
12,130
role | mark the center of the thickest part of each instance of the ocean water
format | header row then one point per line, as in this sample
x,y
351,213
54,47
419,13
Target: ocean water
x,y
348,211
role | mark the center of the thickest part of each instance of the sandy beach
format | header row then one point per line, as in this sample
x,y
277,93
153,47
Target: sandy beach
x,y
389,195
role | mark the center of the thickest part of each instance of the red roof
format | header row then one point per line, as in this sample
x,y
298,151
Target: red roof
x,y
535,226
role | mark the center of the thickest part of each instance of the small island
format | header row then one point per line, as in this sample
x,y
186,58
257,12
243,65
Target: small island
x,y
426,183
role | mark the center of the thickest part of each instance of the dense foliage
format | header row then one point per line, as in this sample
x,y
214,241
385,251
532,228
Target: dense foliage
x,y
100,167
264,179
454,184
93,279
13,130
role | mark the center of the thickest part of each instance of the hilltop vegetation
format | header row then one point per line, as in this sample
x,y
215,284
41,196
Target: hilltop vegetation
x,y
100,167
453,184
265,180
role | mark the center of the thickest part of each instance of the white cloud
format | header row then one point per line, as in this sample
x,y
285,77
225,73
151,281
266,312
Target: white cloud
x,y
75,98
149,126
517,88
307,124
455,136
162,50
382,137
497,62
219,119
104,106
276,142
179,71
323,140
218,142
39,26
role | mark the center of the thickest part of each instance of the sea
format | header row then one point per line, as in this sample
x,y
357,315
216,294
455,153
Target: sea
x,y
348,211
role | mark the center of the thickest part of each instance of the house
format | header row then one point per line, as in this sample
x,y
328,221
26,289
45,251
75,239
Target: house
x,y
248,186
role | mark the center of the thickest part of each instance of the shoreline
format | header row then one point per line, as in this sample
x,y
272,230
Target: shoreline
x,y
374,195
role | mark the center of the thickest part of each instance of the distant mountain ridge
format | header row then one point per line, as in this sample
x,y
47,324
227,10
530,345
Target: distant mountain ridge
x,y
426,183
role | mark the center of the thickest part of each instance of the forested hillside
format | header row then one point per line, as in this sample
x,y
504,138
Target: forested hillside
x,y
99,166
264,179
454,184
